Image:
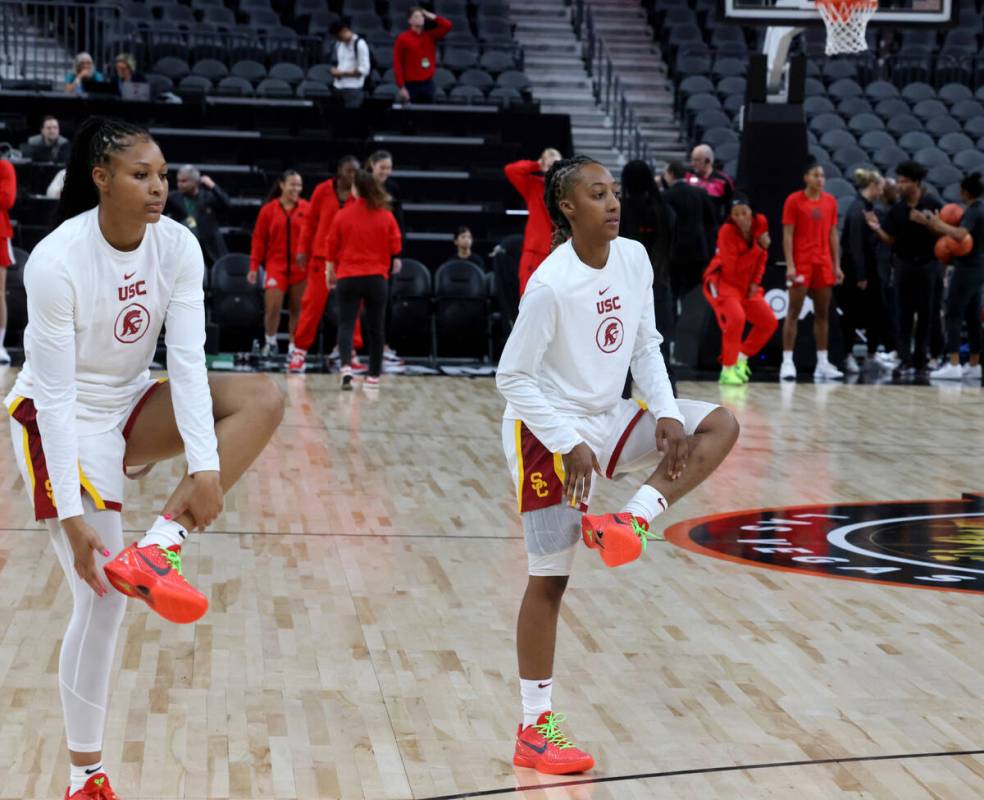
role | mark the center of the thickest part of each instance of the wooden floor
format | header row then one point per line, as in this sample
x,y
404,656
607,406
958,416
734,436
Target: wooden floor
x,y
365,580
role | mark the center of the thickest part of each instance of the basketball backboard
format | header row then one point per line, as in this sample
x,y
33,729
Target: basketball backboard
x,y
804,12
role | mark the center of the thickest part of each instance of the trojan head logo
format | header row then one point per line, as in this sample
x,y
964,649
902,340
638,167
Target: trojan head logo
x,y
929,544
132,323
609,335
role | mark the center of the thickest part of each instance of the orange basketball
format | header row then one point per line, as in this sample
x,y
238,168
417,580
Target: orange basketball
x,y
947,247
952,213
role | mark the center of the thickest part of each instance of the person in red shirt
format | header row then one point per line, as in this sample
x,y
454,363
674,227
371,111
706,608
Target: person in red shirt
x,y
328,197
811,245
733,287
276,239
362,243
527,178
8,195
415,55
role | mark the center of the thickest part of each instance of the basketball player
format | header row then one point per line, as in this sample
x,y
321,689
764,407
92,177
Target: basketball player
x,y
99,289
586,317
812,248
527,179
8,195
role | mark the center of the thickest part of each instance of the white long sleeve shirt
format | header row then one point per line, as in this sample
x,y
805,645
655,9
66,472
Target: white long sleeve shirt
x,y
579,330
350,56
95,314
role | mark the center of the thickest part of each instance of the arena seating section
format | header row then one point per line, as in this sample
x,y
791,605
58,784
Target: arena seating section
x,y
911,96
448,156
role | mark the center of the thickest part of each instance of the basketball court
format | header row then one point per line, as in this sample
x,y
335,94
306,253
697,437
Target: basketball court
x,y
366,575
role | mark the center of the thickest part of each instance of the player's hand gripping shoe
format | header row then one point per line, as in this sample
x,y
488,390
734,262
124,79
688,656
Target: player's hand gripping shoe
x,y
153,574
543,747
619,538
96,788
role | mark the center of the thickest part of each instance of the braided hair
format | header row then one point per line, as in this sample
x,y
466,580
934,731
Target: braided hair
x,y
561,179
95,142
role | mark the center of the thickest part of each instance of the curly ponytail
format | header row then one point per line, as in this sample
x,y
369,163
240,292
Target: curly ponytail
x,y
95,142
560,180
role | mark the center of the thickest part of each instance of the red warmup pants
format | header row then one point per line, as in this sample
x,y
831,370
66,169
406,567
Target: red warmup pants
x,y
313,309
733,308
528,262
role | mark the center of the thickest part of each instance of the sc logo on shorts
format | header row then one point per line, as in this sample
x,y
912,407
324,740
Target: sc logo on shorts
x,y
778,300
132,323
539,485
610,335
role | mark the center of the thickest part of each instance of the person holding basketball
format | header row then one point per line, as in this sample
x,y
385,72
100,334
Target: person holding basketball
x,y
812,248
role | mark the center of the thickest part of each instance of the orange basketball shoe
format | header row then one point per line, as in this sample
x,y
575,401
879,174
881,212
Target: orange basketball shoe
x,y
153,574
546,749
620,538
96,788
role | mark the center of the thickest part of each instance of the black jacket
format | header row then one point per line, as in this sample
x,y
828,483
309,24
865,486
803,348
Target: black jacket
x,y
200,215
859,253
696,224
37,150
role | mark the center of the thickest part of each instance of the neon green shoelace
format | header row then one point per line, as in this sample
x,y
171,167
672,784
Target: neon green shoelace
x,y
551,731
173,559
644,534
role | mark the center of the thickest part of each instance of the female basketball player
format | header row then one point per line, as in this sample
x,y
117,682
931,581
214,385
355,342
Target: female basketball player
x,y
586,317
275,246
99,289
8,195
733,287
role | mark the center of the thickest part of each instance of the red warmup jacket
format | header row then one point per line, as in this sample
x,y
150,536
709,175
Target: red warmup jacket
x,y
415,54
363,241
528,180
738,263
321,210
277,236
8,194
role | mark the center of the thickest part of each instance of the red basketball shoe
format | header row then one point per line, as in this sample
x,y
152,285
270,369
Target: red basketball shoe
x,y
96,788
546,749
620,538
153,574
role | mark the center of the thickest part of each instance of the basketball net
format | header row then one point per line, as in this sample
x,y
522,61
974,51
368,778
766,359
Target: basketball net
x,y
846,21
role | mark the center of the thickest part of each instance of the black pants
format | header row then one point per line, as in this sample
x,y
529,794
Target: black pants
x,y
421,91
865,308
936,313
371,290
963,304
915,285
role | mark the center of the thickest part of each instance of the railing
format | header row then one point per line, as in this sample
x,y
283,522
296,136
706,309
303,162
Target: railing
x,y
627,136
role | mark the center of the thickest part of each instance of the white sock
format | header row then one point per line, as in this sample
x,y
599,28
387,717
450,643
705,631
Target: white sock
x,y
80,775
742,358
647,503
787,356
536,698
164,532
821,357
272,340
3,332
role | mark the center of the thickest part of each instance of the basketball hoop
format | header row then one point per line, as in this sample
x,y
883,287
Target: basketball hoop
x,y
846,21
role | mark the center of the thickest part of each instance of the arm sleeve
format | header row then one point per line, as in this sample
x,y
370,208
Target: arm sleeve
x,y
220,199
398,48
520,364
51,308
311,220
8,185
442,27
362,58
184,336
395,237
332,240
789,211
762,258
853,242
648,367
520,175
261,236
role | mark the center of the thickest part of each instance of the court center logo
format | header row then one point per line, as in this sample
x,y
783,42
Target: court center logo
x,y
132,323
929,544
610,334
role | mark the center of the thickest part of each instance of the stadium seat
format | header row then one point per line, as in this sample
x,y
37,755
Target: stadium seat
x,y
969,160
916,91
835,69
443,78
252,71
826,122
951,194
264,19
974,127
319,23
847,158
838,137
953,143
955,92
814,88
478,78
818,105
931,157
173,68
159,84
845,87
852,106
927,109
285,71
410,324
308,89
916,140
494,30
194,87
716,137
451,8
943,175
839,187
274,88
461,311
904,123
887,158
892,107
459,59
178,16
320,73
505,97
967,109
862,123
210,68
940,126
495,62
386,91
513,79
875,140
466,93
219,15
234,86
236,305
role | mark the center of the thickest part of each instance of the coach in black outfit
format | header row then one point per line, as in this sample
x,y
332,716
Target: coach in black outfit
x,y
695,231
196,204
916,267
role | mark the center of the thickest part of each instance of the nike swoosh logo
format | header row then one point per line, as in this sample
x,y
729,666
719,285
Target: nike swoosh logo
x,y
540,750
93,771
661,503
544,685
605,290
159,570
127,277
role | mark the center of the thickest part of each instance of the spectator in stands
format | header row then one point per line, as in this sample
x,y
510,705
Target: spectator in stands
x,y
963,297
718,185
275,241
83,69
696,227
733,287
126,71
352,63
196,204
415,55
8,195
912,245
362,243
48,145
860,296
527,177
647,218
463,241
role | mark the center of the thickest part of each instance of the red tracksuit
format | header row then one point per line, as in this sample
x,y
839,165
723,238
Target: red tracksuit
x,y
8,194
276,239
735,268
324,206
363,241
528,180
415,54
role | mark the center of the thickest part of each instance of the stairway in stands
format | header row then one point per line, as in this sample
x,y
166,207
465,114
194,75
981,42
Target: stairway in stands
x,y
562,85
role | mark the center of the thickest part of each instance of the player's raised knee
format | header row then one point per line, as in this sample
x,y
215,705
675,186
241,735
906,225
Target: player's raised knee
x,y
266,398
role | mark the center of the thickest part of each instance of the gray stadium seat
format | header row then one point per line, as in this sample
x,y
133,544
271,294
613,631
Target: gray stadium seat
x,y
955,92
953,143
838,137
285,71
234,86
862,123
275,88
880,90
852,106
875,140
844,88
839,187
967,109
386,91
826,122
927,109
466,93
916,91
504,96
478,78
931,157
887,158
943,175
171,67
513,79
847,157
210,68
969,160
193,87
253,71
903,123
818,105
307,89
940,126
891,107
916,140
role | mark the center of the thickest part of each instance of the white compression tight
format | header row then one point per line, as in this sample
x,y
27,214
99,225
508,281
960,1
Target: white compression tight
x,y
90,641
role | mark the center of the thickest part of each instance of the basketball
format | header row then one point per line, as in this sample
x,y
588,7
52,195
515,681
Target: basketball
x,y
952,213
947,247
